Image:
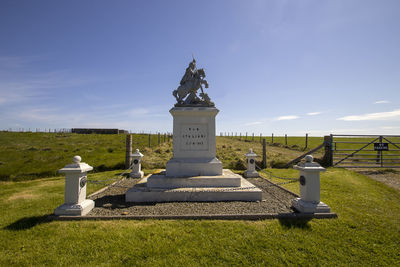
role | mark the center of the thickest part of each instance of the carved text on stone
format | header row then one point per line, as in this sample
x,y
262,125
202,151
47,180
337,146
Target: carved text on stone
x,y
194,137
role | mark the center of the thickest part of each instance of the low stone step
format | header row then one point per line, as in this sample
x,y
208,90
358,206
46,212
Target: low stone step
x,y
227,179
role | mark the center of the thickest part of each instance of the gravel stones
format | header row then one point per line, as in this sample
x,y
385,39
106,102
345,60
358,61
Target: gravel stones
x,y
111,202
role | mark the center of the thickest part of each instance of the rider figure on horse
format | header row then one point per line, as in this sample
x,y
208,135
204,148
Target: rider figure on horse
x,y
192,80
190,72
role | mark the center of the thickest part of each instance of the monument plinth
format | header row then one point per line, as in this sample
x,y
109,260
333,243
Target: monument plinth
x,y
310,198
193,173
75,203
194,145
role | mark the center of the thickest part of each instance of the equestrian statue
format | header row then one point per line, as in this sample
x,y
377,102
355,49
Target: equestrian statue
x,y
191,82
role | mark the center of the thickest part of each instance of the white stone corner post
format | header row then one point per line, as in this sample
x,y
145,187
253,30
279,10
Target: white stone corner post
x,y
75,203
251,164
309,201
137,165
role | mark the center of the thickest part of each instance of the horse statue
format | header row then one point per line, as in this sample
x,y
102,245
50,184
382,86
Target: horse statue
x,y
190,88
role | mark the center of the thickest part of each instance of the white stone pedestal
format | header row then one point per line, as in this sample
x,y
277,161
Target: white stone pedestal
x,y
194,143
76,203
309,201
251,165
137,165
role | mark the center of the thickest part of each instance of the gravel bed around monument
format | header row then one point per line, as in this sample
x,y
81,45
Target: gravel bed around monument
x,y
111,202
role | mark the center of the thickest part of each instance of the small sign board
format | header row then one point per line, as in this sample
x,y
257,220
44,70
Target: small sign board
x,y
381,146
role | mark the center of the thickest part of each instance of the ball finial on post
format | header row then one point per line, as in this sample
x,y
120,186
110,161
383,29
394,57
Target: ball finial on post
x,y
76,159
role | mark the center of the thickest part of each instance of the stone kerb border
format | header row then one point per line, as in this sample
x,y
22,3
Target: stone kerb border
x,y
250,217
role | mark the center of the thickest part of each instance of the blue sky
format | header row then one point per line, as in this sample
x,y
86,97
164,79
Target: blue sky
x,y
292,67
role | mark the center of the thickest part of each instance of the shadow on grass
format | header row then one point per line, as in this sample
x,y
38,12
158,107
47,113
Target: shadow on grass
x,y
295,223
27,222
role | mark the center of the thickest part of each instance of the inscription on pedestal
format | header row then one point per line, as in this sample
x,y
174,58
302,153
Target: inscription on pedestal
x,y
194,137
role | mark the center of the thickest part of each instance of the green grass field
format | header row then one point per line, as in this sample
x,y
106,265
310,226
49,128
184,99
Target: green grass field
x,y
367,231
34,155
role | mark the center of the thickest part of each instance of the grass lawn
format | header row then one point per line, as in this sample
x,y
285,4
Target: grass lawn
x,y
367,231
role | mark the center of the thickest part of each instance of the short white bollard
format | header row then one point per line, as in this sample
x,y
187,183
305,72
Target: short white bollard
x,y
251,165
309,201
75,189
136,165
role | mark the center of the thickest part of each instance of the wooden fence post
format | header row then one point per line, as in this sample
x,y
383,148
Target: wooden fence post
x,y
264,155
272,139
149,140
253,137
306,140
285,139
328,157
128,153
246,135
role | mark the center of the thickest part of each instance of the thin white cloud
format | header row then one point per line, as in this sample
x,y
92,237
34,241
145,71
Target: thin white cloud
x,y
111,117
390,115
30,87
361,131
382,102
253,123
390,127
138,112
313,113
290,117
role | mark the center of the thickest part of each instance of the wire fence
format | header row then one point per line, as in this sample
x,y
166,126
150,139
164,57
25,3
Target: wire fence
x,y
272,139
289,180
114,179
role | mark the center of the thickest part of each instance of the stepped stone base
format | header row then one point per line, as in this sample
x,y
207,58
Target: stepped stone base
x,y
310,207
226,187
227,179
